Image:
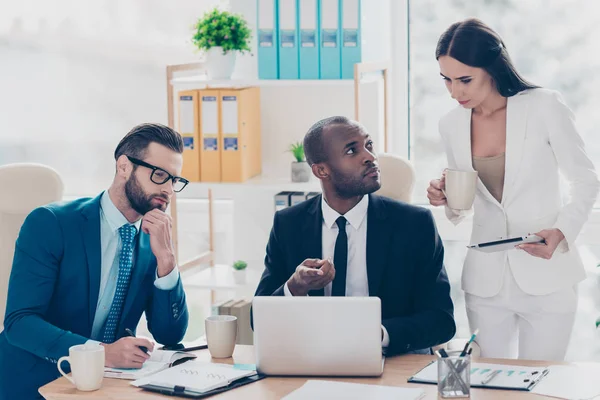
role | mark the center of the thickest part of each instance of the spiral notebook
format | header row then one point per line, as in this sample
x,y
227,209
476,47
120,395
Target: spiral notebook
x,y
158,361
510,377
194,378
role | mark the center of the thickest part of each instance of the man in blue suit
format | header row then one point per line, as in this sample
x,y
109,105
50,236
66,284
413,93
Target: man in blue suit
x,y
86,270
350,242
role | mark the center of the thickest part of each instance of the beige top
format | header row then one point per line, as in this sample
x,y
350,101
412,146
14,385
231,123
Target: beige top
x,y
491,173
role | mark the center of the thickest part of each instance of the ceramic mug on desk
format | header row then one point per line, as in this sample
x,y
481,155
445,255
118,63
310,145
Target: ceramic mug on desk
x,y
221,334
460,188
87,366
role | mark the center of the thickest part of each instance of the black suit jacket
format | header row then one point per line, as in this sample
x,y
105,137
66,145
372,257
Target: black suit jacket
x,y
405,267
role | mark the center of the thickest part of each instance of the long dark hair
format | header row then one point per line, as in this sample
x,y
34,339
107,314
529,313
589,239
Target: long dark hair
x,y
477,45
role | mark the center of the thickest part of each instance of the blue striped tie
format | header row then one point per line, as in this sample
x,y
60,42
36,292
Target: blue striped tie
x,y
127,233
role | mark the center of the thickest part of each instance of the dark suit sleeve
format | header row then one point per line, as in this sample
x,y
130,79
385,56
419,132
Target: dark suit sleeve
x,y
167,314
274,277
38,251
432,322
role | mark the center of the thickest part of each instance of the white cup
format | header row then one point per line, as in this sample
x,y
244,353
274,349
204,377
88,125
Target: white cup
x,y
87,366
221,333
460,188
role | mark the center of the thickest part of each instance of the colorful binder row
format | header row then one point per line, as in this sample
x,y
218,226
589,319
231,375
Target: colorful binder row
x,y
308,39
221,134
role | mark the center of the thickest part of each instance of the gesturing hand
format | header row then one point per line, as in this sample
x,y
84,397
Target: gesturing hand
x,y
312,274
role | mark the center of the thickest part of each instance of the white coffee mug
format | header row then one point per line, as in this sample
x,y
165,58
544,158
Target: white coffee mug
x,y
221,333
460,188
87,366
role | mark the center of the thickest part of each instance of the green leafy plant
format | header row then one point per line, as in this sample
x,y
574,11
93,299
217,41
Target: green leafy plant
x,y
222,29
297,149
240,265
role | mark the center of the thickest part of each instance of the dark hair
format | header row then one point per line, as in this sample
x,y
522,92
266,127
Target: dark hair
x,y
314,150
136,142
477,45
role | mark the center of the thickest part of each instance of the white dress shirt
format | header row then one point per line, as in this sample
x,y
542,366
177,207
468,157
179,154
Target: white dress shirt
x,y
357,282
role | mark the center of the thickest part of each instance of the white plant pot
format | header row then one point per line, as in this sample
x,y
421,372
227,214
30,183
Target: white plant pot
x,y
239,276
301,171
219,65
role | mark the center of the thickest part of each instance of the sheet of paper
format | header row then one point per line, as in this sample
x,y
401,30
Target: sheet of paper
x,y
579,381
330,390
149,368
509,376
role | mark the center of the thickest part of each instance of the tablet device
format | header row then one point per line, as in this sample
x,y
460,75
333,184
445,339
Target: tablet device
x,y
506,244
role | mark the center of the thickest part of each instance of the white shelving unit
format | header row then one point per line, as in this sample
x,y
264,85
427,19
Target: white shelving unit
x,y
288,109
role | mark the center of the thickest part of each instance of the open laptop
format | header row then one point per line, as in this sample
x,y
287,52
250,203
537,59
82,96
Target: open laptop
x,y
318,336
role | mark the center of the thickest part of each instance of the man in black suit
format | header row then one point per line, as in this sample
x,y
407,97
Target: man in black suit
x,y
350,242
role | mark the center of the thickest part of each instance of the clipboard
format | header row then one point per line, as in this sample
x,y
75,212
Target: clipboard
x,y
510,377
506,244
181,391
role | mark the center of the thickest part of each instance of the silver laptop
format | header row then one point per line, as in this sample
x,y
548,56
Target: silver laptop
x,y
318,336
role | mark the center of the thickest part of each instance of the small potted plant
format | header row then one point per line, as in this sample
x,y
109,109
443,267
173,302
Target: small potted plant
x,y
239,272
300,168
221,34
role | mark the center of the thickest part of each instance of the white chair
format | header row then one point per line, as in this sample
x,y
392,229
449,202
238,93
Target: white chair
x,y
397,177
24,187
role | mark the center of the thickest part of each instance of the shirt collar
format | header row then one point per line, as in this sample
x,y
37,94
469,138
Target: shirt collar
x,y
355,216
113,216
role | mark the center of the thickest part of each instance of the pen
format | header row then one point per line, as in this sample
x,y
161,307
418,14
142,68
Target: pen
x,y
490,377
130,333
464,352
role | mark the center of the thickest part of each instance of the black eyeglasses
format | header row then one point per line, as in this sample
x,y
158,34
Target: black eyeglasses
x,y
160,176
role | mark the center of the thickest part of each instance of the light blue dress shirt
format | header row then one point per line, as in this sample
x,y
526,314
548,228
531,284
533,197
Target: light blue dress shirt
x,y
111,220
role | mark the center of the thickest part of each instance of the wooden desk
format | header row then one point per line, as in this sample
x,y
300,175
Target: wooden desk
x,y
396,372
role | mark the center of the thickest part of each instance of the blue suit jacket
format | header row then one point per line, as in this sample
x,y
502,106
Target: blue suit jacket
x,y
53,294
405,267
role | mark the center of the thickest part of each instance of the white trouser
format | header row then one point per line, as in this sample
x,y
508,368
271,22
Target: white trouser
x,y
539,325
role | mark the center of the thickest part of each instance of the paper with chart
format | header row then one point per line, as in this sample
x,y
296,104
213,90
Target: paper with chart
x,y
158,361
195,376
331,390
510,376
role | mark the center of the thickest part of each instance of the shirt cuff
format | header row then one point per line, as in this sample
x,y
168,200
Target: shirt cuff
x,y
167,282
286,290
385,342
92,343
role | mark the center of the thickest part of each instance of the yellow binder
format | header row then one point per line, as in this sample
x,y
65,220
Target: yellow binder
x,y
188,128
210,158
240,134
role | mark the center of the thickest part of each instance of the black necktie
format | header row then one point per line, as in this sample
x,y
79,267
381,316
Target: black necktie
x,y
340,259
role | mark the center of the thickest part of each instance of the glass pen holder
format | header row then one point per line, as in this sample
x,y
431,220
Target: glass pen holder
x,y
454,375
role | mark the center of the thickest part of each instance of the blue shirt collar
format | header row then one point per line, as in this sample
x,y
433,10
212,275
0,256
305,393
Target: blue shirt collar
x,y
113,216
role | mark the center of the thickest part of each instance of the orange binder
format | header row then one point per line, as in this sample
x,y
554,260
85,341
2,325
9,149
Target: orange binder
x,y
239,134
188,128
210,152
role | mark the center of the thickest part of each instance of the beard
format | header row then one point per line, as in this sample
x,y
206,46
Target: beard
x,y
139,200
347,185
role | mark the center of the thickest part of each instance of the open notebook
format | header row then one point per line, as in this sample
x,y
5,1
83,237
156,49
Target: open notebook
x,y
158,361
193,378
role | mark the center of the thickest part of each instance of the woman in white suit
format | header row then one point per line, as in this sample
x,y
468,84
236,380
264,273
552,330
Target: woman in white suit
x,y
517,136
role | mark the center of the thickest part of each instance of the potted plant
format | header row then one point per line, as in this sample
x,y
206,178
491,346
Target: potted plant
x,y
300,168
221,34
239,272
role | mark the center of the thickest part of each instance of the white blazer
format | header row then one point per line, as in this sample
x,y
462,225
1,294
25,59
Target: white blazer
x,y
541,139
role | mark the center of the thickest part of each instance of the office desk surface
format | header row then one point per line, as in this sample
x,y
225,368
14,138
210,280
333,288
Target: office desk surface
x,y
396,372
